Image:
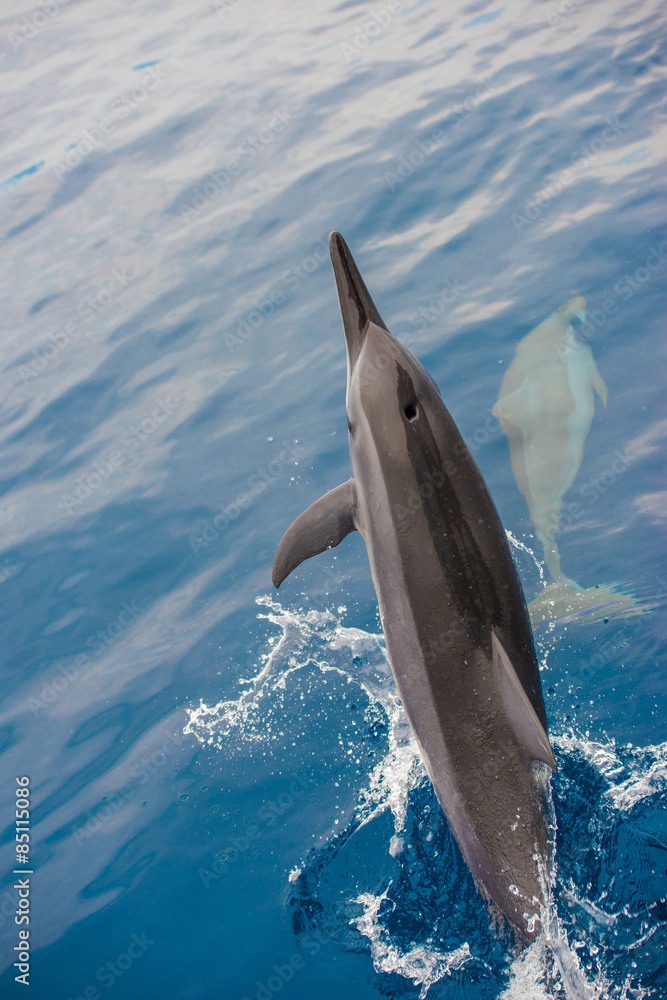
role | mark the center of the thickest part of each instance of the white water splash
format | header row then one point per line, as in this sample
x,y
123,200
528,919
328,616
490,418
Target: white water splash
x,y
549,968
520,546
307,638
528,975
564,602
642,772
422,965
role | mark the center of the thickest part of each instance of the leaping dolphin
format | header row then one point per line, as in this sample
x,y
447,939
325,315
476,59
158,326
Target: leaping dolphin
x,y
451,604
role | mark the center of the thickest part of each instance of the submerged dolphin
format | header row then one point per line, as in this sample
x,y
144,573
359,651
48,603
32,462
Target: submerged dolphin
x,y
451,604
545,407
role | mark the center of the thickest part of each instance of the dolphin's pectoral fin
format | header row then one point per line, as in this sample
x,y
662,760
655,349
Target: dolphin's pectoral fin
x,y
321,526
599,386
522,717
515,407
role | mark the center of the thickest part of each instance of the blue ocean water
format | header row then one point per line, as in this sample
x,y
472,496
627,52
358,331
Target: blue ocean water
x,y
226,800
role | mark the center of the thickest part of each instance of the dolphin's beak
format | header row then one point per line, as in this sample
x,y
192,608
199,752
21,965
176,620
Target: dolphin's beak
x,y
576,306
356,306
579,308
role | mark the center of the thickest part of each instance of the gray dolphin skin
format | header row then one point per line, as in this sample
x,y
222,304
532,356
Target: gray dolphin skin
x,y
451,604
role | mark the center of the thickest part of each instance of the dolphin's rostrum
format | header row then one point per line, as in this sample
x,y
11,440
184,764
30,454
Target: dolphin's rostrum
x,y
452,608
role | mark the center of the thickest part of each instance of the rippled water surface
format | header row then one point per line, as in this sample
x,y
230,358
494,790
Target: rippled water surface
x,y
226,800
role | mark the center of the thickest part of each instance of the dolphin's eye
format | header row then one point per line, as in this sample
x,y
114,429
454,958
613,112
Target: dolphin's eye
x,y
349,427
410,411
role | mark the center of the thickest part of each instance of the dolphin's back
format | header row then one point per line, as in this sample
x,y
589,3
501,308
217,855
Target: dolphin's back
x,y
456,569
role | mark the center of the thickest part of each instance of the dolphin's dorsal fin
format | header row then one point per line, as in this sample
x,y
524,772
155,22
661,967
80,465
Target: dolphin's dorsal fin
x,y
322,526
521,715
